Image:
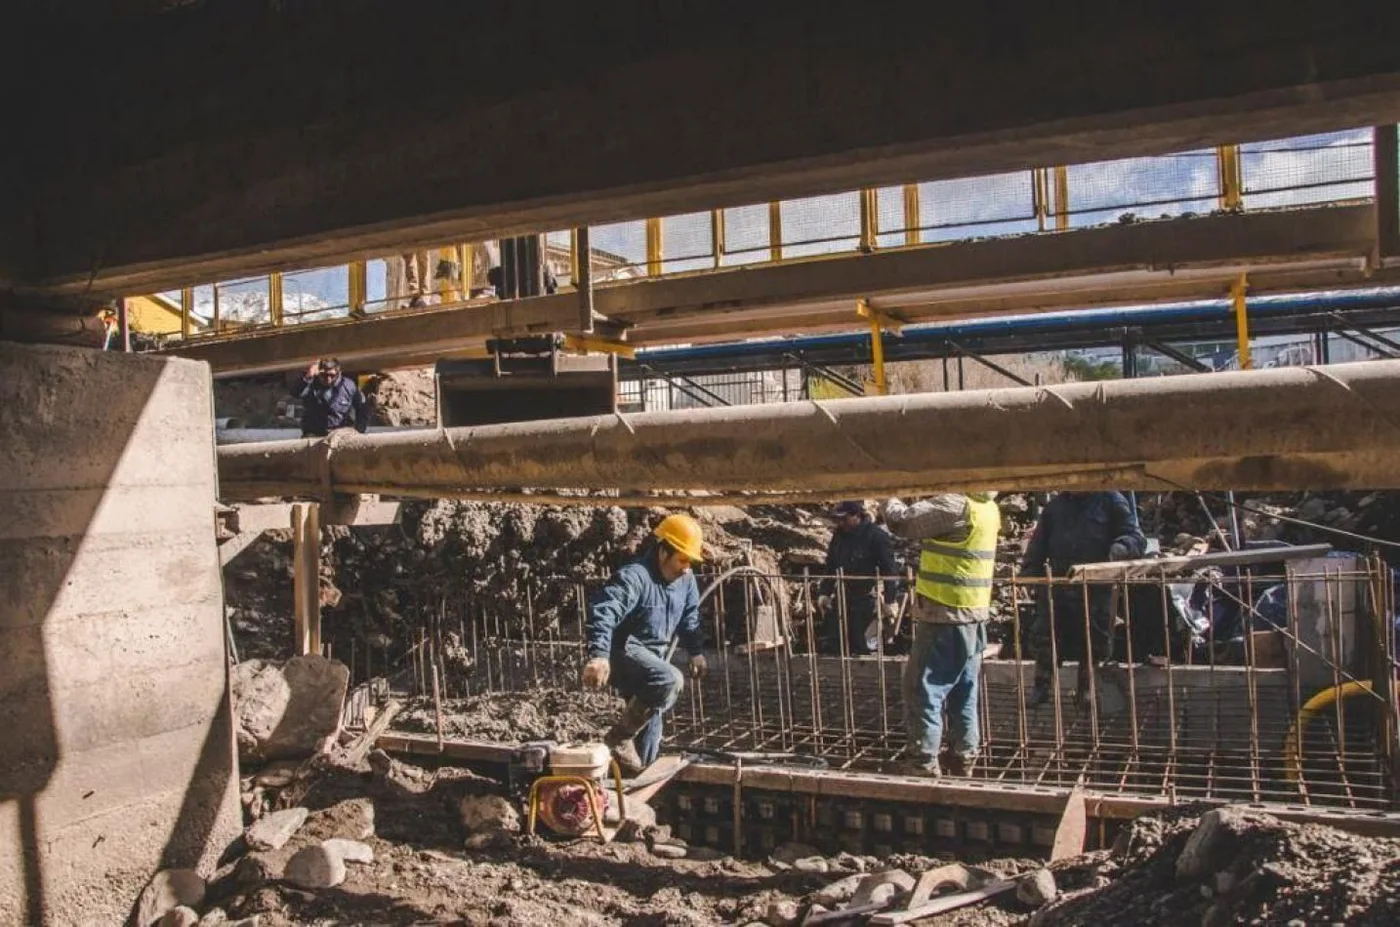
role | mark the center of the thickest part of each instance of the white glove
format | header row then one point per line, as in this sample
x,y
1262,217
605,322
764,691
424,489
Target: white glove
x,y
698,666
826,603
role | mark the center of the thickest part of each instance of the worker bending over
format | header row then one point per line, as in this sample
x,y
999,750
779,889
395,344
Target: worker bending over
x,y
631,622
1075,528
329,400
952,603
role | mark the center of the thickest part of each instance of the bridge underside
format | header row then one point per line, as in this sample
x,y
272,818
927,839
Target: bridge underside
x,y
1319,248
351,136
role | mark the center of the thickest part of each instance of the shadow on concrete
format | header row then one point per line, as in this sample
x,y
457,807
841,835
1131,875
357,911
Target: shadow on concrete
x,y
67,427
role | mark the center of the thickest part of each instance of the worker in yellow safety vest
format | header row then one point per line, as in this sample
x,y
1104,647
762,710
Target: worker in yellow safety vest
x,y
952,603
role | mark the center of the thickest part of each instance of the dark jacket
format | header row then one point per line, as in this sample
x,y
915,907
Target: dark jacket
x,y
862,552
638,603
1080,527
324,409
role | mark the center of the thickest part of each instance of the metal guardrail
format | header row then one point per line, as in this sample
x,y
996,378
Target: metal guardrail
x,y
1259,175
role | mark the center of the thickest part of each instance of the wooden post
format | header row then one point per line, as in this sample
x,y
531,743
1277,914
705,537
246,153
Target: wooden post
x,y
306,576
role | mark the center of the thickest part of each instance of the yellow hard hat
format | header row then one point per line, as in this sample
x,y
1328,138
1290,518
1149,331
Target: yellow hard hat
x,y
683,533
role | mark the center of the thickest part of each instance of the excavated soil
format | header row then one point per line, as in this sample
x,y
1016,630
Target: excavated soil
x,y
559,715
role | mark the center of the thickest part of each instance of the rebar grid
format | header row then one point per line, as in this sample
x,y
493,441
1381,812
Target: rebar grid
x,y
1198,729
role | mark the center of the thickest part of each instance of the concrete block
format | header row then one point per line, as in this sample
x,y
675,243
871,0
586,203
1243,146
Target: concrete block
x,y
119,752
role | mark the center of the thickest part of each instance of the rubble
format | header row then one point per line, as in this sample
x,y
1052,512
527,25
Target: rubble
x,y
287,711
488,813
272,831
350,851
315,867
1037,889
168,890
180,917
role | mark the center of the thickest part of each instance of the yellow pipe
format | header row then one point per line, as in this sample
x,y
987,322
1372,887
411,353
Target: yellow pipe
x,y
911,214
1237,290
877,345
653,228
1061,198
1292,744
775,231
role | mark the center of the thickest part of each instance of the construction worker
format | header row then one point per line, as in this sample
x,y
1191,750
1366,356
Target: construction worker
x,y
631,623
329,400
1075,528
860,549
952,603
417,278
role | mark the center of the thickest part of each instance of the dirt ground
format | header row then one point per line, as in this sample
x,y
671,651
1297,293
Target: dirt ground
x,y
563,716
1252,869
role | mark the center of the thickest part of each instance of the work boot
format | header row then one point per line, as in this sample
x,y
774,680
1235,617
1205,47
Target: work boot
x,y
908,763
960,764
620,738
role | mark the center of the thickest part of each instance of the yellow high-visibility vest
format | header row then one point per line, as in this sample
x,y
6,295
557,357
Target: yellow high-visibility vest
x,y
958,574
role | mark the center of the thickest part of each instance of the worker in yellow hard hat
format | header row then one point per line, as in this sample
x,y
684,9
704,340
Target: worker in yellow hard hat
x,y
631,623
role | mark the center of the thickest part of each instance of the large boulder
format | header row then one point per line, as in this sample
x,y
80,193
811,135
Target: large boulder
x,y
290,711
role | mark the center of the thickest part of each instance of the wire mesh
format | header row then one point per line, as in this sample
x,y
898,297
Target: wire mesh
x,y
998,204
1232,720
1307,170
687,242
747,234
820,224
1170,185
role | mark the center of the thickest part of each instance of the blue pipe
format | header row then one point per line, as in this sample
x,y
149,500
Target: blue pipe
x,y
1211,310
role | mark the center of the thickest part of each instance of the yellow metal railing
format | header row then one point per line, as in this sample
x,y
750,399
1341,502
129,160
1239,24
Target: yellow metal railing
x,y
1051,199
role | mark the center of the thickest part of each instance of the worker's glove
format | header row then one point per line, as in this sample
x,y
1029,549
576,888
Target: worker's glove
x,y
886,610
595,673
826,603
1119,551
698,666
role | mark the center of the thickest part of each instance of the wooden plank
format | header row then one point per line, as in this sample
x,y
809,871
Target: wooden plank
x,y
942,905
464,750
656,776
1069,834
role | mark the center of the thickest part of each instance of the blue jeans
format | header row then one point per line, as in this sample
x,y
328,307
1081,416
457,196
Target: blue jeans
x,y
638,673
945,667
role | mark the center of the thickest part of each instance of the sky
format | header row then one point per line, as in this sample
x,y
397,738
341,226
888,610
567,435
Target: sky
x,y
1289,172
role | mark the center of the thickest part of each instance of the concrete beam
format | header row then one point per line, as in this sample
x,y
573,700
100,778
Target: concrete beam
x,y
1289,428
348,140
1323,247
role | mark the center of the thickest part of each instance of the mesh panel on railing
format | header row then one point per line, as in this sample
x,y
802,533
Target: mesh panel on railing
x,y
746,234
687,242
244,303
890,222
624,250
1107,191
312,295
1309,169
999,204
821,224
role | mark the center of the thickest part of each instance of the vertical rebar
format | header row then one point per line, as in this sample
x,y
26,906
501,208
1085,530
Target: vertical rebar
x,y
812,662
1022,728
1168,773
1251,685
843,624
880,656
1129,661
1295,694
532,641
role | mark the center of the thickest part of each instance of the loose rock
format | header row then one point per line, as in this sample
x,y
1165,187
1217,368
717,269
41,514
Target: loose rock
x,y
272,831
782,914
168,890
350,851
1037,889
838,892
290,711
315,867
789,853
214,917
488,813
669,851
180,917
811,864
